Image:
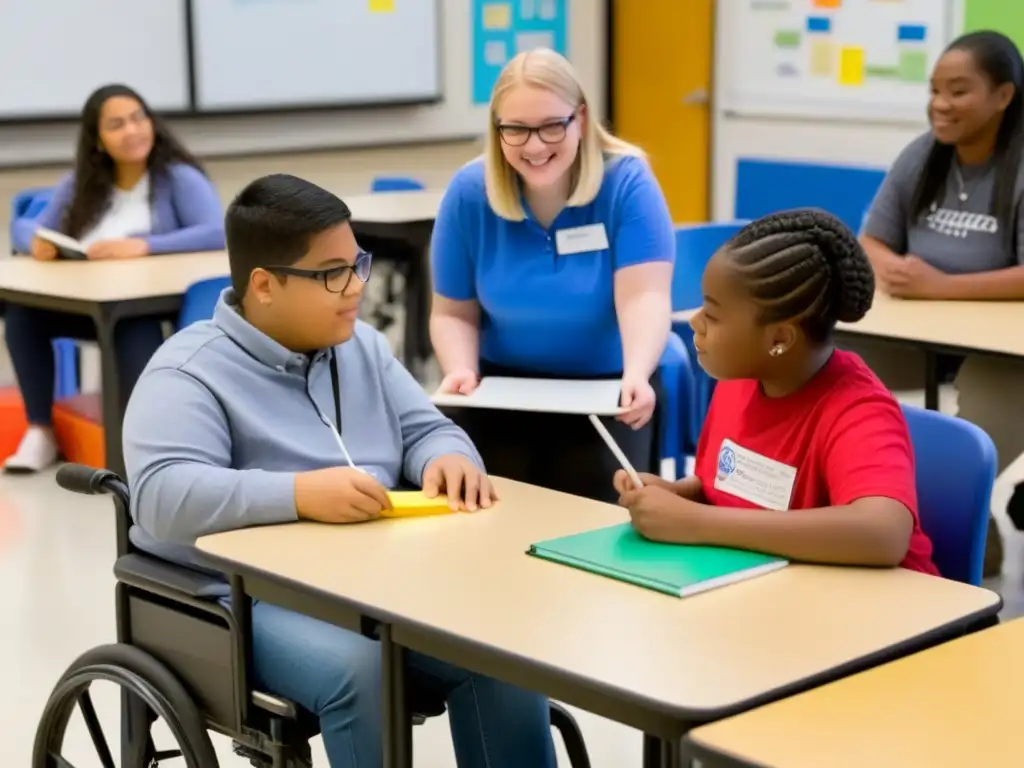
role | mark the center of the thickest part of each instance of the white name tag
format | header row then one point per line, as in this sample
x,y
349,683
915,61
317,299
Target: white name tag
x,y
591,237
753,477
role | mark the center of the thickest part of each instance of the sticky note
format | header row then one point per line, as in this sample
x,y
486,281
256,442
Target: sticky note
x,y
827,3
913,66
495,53
823,58
415,504
382,6
851,65
497,16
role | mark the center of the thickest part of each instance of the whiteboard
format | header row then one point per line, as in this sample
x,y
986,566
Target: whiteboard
x,y
856,59
56,52
267,54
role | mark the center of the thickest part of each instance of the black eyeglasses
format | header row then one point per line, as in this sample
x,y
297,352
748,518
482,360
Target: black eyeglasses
x,y
335,279
550,133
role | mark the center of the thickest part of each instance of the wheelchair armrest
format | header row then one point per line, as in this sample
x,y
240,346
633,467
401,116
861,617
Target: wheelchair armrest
x,y
164,578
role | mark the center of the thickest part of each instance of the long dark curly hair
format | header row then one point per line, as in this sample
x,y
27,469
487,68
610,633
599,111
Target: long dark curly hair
x,y
95,171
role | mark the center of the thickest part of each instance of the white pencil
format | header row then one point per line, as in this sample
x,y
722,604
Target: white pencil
x,y
614,447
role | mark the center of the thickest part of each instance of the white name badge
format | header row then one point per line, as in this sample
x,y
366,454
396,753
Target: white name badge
x,y
591,237
753,477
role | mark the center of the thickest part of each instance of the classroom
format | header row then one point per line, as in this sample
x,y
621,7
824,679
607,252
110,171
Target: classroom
x,y
465,383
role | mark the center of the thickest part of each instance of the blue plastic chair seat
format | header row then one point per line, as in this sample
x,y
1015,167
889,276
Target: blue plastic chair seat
x,y
676,377
200,300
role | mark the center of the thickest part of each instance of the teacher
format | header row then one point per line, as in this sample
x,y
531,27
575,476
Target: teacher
x,y
552,257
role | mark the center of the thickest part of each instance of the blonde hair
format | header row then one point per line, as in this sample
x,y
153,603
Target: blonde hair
x,y
544,68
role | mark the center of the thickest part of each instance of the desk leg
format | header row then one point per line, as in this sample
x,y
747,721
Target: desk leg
x,y
659,753
112,405
396,726
931,380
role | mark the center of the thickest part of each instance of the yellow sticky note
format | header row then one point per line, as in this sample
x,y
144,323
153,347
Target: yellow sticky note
x,y
851,65
823,57
382,6
415,504
497,16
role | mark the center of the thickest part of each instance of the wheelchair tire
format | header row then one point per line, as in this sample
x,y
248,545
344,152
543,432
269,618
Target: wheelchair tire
x,y
135,672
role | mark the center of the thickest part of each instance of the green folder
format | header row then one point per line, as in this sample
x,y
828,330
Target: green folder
x,y
619,552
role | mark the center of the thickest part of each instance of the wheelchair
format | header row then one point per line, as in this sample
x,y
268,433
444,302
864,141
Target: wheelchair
x,y
184,658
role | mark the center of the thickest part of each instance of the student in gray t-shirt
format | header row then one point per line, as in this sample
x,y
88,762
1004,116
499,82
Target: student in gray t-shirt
x,y
946,224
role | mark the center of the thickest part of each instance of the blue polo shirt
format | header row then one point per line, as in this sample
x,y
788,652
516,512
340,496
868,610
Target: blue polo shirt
x,y
541,311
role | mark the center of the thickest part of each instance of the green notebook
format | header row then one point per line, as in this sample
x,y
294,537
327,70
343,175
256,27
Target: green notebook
x,y
619,552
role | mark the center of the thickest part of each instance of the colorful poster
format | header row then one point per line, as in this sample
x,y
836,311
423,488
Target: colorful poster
x,y
503,28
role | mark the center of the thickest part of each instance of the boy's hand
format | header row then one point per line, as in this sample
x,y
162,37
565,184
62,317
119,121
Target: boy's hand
x,y
459,479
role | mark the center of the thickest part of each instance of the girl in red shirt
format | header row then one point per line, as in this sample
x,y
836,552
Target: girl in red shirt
x,y
804,454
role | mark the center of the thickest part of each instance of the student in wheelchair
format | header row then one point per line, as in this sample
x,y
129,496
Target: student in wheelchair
x,y
285,407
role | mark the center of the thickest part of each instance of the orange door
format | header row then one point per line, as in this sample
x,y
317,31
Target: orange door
x,y
661,80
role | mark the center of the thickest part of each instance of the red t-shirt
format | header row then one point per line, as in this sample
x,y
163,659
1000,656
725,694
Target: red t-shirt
x,y
843,433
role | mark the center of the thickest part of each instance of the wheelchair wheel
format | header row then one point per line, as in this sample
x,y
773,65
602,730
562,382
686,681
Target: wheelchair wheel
x,y
149,691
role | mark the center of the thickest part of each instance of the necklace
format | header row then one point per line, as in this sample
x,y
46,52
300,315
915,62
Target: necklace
x,y
964,193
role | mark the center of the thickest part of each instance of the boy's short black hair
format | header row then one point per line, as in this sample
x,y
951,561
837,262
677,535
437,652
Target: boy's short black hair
x,y
272,221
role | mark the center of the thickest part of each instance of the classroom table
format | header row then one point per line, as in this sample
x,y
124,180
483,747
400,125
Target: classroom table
x,y
937,327
461,588
108,292
954,705
407,216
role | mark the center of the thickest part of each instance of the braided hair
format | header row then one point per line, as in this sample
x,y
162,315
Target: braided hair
x,y
803,265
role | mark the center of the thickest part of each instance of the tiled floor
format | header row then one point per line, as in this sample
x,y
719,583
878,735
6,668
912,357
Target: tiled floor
x,y
56,549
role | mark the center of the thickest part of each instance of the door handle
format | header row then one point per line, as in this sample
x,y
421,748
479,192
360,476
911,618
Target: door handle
x,y
696,96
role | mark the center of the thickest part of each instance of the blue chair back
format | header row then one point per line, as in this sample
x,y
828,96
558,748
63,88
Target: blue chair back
x,y
695,245
676,376
200,299
29,203
956,469
395,184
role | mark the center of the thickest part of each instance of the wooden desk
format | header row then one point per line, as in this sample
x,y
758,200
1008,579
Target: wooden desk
x,y
955,327
409,217
460,588
108,292
958,704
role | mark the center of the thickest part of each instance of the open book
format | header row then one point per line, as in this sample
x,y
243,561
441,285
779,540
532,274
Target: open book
x,y
67,247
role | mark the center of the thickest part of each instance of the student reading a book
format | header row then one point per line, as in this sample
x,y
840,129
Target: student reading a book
x,y
804,454
134,191
948,223
552,257
284,407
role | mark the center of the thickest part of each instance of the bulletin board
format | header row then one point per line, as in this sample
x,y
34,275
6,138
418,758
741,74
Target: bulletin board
x,y
841,59
503,28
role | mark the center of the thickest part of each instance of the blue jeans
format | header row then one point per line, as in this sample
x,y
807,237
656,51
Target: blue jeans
x,y
336,674
30,332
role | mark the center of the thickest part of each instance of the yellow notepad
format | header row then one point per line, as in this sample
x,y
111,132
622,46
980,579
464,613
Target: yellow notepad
x,y
415,504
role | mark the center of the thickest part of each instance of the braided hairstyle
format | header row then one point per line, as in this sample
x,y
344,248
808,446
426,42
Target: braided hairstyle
x,y
806,266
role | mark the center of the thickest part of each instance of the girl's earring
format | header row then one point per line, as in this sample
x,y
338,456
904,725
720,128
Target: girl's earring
x,y
777,351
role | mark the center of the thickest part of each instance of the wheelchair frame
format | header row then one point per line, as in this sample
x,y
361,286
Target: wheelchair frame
x,y
166,612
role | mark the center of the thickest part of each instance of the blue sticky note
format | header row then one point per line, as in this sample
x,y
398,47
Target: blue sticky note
x,y
911,33
819,24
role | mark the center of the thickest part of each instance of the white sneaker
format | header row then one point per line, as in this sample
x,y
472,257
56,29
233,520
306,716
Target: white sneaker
x,y
37,451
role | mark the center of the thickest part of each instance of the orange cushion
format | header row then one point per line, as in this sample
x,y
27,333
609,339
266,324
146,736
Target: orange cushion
x,y
12,421
78,426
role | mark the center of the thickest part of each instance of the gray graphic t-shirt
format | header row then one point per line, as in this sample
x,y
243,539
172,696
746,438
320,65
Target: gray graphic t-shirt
x,y
957,236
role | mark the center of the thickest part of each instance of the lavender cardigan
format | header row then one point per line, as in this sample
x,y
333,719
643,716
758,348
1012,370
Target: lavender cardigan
x,y
187,214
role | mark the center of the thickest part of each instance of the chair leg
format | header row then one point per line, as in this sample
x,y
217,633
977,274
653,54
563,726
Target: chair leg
x,y
571,734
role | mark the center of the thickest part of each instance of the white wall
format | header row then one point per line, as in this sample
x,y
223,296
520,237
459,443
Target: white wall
x,y
454,118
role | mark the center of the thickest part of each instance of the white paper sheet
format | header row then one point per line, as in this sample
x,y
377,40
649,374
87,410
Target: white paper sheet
x,y
600,397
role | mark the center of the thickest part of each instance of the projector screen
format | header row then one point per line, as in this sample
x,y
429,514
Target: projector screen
x,y
268,54
56,52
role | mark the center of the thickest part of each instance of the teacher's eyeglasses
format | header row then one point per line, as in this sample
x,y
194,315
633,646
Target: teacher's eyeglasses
x,y
550,133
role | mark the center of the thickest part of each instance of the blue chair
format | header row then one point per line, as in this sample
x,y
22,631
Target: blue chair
x,y
395,184
676,376
200,300
956,469
695,245
27,205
